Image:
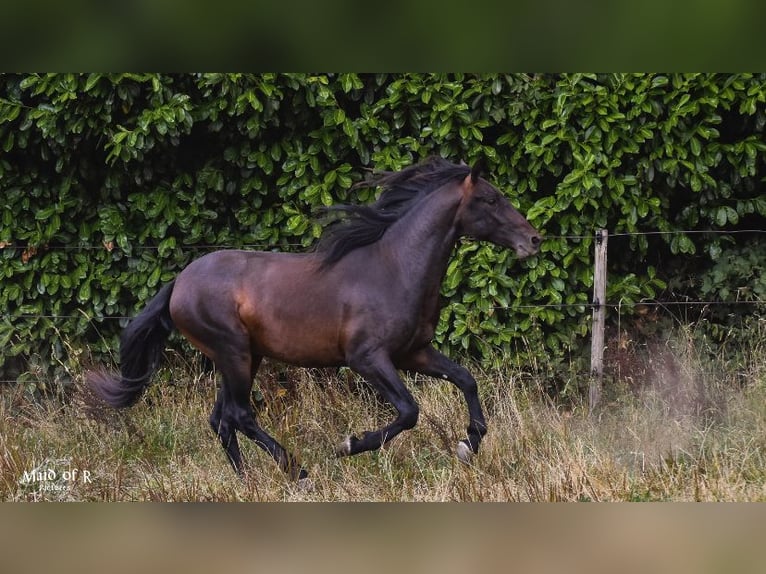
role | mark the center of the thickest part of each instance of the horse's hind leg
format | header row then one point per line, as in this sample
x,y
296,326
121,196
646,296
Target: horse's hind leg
x,y
250,427
226,432
237,411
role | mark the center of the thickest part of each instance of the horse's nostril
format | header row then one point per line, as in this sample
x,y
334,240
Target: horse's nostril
x,y
536,240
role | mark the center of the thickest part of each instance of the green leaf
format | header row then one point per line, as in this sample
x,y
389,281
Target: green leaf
x,y
166,246
45,213
154,277
84,293
92,80
695,146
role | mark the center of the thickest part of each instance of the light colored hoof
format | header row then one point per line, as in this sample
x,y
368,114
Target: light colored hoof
x,y
344,448
464,453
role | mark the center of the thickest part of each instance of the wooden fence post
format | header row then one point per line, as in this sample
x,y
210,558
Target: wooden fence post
x,y
599,319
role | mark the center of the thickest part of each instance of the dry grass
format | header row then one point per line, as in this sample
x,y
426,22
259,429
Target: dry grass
x,y
686,436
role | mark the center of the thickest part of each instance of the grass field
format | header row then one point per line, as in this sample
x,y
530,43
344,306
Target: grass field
x,y
686,433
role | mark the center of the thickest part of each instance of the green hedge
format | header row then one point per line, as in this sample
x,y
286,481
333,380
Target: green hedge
x,y
111,184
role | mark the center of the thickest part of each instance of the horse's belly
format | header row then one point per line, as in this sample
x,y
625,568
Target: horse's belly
x,y
295,338
299,351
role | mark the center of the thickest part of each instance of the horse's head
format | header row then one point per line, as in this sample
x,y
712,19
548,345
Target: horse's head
x,y
487,215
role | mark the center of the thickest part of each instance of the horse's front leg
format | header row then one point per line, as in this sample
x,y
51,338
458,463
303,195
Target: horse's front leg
x,y
431,362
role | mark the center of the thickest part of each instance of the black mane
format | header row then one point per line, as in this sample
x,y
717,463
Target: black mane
x,y
358,225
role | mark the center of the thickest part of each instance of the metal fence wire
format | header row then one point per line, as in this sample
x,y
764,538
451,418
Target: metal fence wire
x,y
585,306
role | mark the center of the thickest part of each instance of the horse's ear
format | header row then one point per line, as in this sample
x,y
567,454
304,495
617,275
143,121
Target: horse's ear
x,y
477,170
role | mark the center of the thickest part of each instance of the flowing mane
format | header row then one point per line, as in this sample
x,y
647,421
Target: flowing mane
x,y
359,225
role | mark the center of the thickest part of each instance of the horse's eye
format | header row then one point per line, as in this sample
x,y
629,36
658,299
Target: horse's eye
x,y
490,199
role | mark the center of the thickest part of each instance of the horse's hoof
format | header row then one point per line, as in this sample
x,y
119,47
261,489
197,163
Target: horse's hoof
x,y
344,448
464,452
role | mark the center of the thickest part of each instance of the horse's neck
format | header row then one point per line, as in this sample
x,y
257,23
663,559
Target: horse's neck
x,y
422,241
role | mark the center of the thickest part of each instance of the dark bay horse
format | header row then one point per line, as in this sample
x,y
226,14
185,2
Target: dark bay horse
x,y
367,297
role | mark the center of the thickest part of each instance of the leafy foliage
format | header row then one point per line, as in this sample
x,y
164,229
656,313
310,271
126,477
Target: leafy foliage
x,y
112,183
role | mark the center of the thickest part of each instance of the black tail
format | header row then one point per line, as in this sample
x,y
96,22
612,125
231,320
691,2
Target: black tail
x,y
141,346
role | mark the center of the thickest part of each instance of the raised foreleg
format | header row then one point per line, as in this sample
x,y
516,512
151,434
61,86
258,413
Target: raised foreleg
x,y
431,362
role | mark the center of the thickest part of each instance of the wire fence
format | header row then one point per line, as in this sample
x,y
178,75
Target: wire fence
x,y
584,305
272,246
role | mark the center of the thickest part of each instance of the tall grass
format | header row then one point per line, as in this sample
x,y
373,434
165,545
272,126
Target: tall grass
x,y
692,431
